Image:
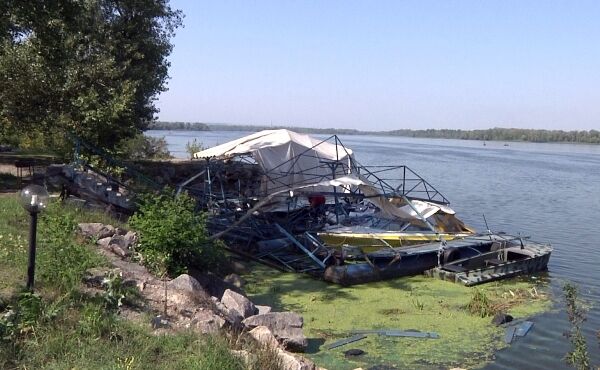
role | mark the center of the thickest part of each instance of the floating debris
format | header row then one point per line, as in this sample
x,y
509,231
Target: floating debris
x,y
342,342
399,333
520,330
524,328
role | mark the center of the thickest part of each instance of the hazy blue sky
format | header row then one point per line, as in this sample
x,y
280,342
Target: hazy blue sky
x,y
387,64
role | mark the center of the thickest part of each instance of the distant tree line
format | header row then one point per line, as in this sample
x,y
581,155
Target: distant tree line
x,y
195,126
506,134
304,130
492,134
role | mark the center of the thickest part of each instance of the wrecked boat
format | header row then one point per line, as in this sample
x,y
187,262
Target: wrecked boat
x,y
304,204
508,258
471,260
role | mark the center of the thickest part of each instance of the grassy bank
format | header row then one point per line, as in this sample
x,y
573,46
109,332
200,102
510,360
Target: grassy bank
x,y
467,337
62,328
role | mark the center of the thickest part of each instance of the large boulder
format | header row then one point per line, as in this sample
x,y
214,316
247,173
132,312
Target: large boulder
x,y
184,295
96,230
263,335
187,283
289,361
238,303
205,321
286,326
104,242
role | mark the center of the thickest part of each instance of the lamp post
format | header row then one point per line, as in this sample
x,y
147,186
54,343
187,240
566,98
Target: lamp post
x,y
34,199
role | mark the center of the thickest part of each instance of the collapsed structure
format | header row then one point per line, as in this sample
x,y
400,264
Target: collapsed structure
x,y
307,205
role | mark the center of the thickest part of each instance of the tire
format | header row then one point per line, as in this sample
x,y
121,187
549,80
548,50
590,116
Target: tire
x,y
451,254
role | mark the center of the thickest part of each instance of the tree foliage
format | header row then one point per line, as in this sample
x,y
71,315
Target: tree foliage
x,y
90,67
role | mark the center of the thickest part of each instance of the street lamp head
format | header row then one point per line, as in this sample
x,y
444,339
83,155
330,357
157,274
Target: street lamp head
x,y
33,198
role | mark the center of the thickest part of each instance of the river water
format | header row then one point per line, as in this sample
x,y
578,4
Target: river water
x,y
548,191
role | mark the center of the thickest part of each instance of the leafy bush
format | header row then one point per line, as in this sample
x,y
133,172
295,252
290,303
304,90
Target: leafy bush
x,y
173,236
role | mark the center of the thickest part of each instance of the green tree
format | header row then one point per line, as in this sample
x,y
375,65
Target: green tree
x,y
90,67
173,236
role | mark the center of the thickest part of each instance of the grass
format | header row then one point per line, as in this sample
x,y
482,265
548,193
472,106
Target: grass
x,y
59,327
467,339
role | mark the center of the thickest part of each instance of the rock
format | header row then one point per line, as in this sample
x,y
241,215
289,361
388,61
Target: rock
x,y
104,242
96,230
263,309
354,352
290,362
263,335
238,303
275,320
158,322
501,318
207,322
235,280
119,231
130,238
119,250
95,276
186,283
286,326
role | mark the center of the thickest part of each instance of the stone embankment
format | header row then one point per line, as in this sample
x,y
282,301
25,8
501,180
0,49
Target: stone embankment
x,y
204,304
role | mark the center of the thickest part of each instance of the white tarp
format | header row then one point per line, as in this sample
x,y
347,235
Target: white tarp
x,y
290,159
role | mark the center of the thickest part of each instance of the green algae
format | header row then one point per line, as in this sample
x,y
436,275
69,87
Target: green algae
x,y
331,312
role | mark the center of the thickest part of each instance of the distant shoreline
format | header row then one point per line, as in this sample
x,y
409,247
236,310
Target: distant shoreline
x,y
492,134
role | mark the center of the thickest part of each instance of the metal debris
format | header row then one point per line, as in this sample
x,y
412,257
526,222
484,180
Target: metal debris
x,y
342,342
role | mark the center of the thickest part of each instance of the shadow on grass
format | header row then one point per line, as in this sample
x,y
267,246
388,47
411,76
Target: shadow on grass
x,y
9,183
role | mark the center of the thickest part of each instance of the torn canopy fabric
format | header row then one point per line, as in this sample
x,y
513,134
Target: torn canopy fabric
x,y
287,158
388,208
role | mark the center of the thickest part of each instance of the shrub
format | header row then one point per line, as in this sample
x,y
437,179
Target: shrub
x,y
144,147
173,236
480,304
192,147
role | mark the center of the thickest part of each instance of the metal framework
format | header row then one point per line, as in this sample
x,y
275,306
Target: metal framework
x,y
236,191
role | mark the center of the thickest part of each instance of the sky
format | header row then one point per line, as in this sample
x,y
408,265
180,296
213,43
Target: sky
x,y
384,65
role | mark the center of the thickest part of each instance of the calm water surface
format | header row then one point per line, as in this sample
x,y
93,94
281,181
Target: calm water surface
x,y
548,191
